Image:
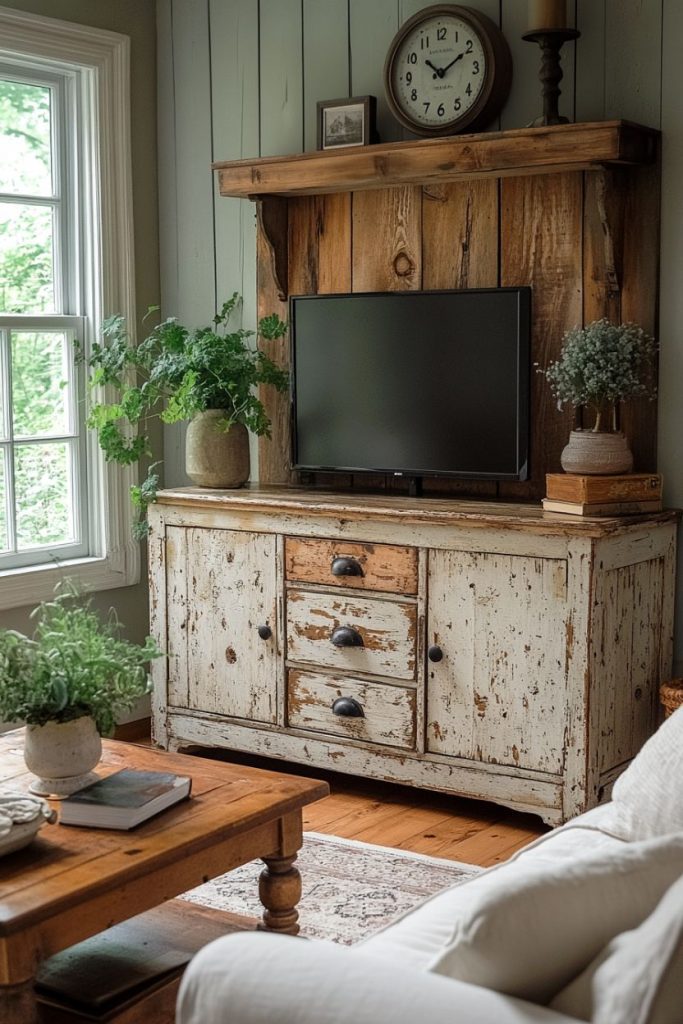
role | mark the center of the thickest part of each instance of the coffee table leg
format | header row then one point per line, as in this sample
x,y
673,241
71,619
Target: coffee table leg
x,y
18,1004
280,881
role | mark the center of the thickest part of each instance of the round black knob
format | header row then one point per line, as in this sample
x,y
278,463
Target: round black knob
x,y
265,632
346,567
346,636
435,653
347,707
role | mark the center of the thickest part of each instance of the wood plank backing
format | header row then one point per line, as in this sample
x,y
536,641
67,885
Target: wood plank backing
x,y
541,242
387,240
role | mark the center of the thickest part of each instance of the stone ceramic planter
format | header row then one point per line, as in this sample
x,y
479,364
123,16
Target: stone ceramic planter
x,y
597,453
62,755
215,457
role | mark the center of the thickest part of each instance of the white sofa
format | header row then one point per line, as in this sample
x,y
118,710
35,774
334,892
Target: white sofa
x,y
584,924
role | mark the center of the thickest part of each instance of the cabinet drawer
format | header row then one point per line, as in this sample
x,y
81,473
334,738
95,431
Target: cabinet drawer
x,y
365,566
384,632
388,711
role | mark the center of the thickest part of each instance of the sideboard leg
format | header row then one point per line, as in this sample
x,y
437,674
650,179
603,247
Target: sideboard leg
x,y
18,1004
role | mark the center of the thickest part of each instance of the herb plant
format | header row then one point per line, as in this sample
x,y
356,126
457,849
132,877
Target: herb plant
x,y
74,665
603,364
174,374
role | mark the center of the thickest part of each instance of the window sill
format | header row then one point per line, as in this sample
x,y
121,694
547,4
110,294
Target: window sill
x,y
28,586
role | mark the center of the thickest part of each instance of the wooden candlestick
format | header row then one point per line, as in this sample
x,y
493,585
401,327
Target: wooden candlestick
x,y
544,14
551,42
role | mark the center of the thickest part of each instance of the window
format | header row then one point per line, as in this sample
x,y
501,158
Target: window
x,y
65,264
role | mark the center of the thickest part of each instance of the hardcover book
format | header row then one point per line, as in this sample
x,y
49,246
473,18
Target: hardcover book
x,y
578,487
602,509
124,799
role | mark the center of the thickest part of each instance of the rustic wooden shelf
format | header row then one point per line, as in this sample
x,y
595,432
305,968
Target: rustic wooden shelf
x,y
524,151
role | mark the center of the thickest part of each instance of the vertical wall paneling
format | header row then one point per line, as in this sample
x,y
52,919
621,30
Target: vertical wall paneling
x,y
525,101
196,294
234,41
168,226
633,60
671,314
281,77
326,58
372,27
590,60
539,216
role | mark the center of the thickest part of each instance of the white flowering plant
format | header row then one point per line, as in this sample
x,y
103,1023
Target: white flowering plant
x,y
601,365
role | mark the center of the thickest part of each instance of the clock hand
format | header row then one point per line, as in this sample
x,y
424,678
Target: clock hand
x,y
459,57
438,72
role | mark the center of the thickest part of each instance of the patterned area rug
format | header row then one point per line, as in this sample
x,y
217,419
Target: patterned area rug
x,y
350,889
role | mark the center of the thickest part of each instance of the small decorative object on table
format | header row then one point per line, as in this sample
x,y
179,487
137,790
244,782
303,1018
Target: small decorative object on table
x,y
582,495
347,122
68,683
601,365
671,696
205,376
21,817
124,799
548,27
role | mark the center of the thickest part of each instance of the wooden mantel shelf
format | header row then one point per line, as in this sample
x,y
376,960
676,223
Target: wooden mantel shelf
x,y
433,161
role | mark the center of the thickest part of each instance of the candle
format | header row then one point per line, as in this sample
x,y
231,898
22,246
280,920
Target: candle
x,y
547,14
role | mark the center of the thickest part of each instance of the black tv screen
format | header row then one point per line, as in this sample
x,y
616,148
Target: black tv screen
x,y
412,383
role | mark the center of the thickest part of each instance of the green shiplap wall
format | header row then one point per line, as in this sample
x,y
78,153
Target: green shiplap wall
x,y
242,77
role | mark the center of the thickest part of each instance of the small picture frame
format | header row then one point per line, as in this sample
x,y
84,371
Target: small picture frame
x,y
346,122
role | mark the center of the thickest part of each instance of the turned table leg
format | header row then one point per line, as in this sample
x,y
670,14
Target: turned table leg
x,y
280,891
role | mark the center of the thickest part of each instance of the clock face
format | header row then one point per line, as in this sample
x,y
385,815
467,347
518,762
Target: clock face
x,y
448,68
439,71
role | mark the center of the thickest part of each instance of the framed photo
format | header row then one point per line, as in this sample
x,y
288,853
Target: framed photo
x,y
346,122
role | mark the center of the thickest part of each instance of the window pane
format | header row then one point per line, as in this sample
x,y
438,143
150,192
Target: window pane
x,y
42,483
25,144
3,503
26,262
39,383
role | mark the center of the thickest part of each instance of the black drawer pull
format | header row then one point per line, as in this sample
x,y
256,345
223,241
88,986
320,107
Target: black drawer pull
x,y
347,707
346,567
435,653
346,636
265,632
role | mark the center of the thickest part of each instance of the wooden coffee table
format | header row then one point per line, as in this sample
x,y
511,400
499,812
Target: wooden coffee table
x,y
72,883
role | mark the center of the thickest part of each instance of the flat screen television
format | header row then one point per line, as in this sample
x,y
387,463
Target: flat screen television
x,y
412,383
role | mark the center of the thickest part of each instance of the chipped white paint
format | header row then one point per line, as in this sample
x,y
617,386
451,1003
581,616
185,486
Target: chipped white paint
x,y
555,639
389,711
387,629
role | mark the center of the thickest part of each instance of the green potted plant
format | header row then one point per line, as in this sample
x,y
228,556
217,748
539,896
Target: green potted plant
x,y
206,375
601,365
68,683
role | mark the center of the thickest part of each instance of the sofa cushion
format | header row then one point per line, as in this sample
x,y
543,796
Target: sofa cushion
x,y
638,977
421,934
529,929
647,798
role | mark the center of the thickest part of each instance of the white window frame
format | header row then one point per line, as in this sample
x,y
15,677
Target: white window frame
x,y
102,60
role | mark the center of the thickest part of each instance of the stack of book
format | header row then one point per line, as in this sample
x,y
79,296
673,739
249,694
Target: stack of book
x,y
630,494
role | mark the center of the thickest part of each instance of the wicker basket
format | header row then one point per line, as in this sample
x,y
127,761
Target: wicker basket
x,y
671,695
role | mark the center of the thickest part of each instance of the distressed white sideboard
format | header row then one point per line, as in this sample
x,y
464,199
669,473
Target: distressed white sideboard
x,y
483,649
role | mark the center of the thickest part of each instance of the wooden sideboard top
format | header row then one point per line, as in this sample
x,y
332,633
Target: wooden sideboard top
x,y
566,147
449,511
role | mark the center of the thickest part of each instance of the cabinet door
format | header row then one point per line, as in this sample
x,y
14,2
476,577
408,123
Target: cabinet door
x,y
499,693
221,586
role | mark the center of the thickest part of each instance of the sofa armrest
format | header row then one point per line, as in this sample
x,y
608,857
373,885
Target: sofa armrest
x,y
259,978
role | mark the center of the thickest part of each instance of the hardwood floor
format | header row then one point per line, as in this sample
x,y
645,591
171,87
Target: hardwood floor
x,y
409,819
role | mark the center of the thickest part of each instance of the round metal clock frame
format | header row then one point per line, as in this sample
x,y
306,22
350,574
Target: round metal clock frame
x,y
497,81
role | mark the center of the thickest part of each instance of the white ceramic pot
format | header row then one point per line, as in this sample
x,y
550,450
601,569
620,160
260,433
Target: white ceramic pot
x,y
62,755
597,452
215,457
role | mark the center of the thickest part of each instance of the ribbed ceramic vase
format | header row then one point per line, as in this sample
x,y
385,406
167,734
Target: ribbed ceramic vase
x,y
62,755
215,457
597,452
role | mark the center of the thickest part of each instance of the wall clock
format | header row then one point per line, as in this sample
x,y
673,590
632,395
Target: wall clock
x,y
448,68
